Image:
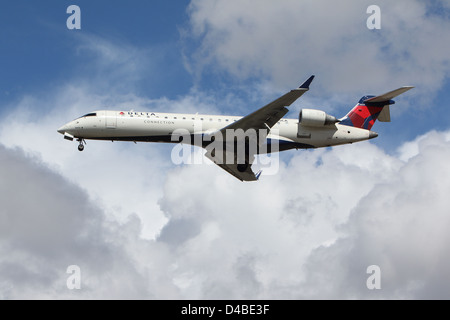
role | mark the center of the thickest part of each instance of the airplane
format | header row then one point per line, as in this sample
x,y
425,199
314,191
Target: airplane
x,y
263,131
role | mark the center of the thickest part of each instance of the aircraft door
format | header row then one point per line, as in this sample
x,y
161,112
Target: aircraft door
x,y
111,120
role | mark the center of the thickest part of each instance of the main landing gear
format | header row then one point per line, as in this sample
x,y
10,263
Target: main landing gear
x,y
81,144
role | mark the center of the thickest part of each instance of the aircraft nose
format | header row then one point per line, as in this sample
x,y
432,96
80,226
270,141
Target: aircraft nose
x,y
62,129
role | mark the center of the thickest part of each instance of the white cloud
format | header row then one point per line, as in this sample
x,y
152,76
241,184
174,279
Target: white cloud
x,y
48,223
288,40
312,230
308,232
401,225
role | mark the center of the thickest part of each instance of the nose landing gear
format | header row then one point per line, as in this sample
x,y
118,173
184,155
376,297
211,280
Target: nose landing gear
x,y
81,144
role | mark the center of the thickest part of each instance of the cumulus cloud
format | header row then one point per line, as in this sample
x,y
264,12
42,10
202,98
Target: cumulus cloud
x,y
401,226
312,230
288,40
309,231
48,223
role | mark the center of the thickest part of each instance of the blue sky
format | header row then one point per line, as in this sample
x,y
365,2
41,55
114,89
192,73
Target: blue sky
x,y
41,52
141,227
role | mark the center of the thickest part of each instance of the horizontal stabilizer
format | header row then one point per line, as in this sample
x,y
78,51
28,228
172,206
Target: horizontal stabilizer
x,y
389,95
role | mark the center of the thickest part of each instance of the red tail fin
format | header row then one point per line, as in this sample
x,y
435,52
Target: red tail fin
x,y
369,108
362,116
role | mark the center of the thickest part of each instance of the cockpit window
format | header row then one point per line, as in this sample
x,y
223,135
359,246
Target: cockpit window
x,y
90,115
93,114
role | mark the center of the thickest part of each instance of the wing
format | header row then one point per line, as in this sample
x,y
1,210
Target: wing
x,y
264,118
271,113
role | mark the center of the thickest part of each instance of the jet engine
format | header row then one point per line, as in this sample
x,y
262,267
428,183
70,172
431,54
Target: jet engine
x,y
315,118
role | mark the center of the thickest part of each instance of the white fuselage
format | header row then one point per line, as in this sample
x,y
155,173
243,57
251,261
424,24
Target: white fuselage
x,y
160,127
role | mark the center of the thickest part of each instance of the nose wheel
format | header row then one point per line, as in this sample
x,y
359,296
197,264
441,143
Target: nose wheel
x,y
81,144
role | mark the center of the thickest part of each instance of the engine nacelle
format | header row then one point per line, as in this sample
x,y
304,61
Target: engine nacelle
x,y
68,136
315,118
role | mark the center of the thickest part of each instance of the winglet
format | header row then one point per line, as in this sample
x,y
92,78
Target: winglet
x,y
306,84
258,174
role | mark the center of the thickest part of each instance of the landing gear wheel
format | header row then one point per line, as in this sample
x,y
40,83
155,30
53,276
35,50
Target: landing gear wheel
x,y
81,145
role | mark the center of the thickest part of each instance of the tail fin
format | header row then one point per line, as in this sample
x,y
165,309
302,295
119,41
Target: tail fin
x,y
371,108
